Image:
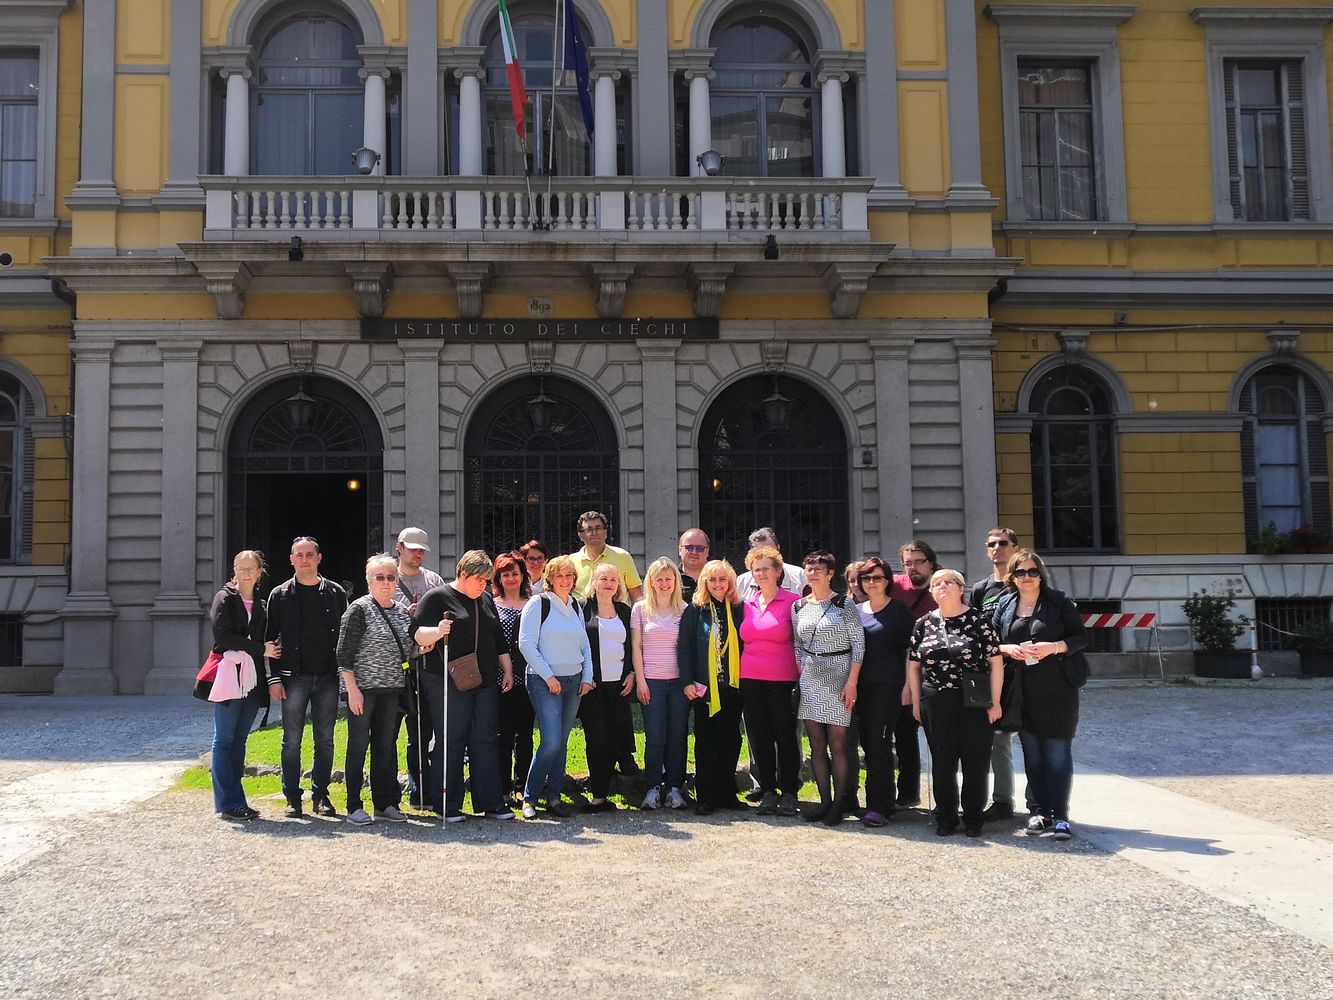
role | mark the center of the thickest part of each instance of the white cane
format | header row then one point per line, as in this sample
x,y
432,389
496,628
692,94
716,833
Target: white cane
x,y
443,749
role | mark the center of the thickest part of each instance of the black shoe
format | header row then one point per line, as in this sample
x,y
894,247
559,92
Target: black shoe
x,y
323,807
944,828
734,804
293,810
251,812
630,768
972,829
704,809
241,814
605,806
998,811
833,817
816,814
905,803
558,809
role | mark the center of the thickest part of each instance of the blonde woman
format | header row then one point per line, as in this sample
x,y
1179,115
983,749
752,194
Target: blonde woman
x,y
709,655
654,631
606,618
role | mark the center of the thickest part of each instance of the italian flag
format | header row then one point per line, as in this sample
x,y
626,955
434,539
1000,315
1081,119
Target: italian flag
x,y
518,97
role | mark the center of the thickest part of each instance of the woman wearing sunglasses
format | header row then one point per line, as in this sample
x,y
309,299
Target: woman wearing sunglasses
x,y
1040,633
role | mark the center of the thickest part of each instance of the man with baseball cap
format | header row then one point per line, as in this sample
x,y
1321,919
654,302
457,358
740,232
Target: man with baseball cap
x,y
413,582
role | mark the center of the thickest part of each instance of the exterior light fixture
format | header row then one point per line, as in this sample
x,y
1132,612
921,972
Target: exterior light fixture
x,y
541,410
353,486
776,411
365,160
296,251
301,408
771,247
710,161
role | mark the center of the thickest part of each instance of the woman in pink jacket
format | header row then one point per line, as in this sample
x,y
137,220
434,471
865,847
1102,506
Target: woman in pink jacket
x,y
768,684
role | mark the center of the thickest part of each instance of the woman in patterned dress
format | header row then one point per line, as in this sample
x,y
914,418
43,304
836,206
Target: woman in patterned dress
x,y
511,588
947,644
830,643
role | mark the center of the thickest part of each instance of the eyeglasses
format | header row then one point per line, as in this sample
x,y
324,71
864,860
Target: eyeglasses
x,y
305,538
1031,574
946,582
998,543
534,559
385,577
593,529
874,578
695,548
916,562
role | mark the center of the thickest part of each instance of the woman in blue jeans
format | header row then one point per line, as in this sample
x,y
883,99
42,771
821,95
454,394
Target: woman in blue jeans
x,y
1040,629
553,640
238,624
654,631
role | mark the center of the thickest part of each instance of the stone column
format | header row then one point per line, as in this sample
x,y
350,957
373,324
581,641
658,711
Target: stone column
x,y
877,104
421,438
660,465
236,138
97,120
88,614
652,92
175,613
892,436
834,146
960,31
373,131
471,142
604,116
421,91
976,391
701,116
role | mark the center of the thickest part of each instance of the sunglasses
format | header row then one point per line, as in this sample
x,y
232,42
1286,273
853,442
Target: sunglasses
x,y
695,548
999,543
873,578
385,577
1031,574
305,538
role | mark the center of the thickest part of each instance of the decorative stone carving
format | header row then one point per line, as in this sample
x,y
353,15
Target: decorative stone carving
x,y
226,281
847,283
371,281
470,281
610,281
302,353
1073,342
775,354
709,284
540,355
1283,341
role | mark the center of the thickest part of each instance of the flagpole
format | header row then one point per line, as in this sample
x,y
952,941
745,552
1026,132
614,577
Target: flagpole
x,y
557,67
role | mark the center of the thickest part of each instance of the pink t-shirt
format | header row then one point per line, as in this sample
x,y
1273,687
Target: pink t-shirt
x,y
768,653
659,642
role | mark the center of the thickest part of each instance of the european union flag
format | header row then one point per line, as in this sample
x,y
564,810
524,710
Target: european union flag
x,y
576,62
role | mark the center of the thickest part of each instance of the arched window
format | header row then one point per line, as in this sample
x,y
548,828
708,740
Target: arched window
x,y
1284,459
309,100
539,54
1074,486
539,452
763,100
16,470
773,452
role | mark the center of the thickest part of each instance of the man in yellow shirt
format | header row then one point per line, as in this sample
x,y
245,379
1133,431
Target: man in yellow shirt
x,y
593,528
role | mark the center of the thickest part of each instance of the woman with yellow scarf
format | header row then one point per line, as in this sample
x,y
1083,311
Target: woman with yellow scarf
x,y
709,654
830,643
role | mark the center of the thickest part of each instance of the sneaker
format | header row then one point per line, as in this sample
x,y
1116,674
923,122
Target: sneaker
x,y
653,800
293,810
323,807
755,796
554,807
872,818
391,813
675,800
251,812
997,811
768,804
500,814
360,818
605,806
1062,831
787,805
455,818
240,814
529,810
1039,826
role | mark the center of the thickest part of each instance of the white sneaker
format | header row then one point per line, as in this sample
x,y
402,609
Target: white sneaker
x,y
360,818
653,800
392,813
675,800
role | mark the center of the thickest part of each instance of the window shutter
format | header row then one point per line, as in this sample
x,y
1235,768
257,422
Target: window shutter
x,y
1317,456
1235,171
1293,113
23,552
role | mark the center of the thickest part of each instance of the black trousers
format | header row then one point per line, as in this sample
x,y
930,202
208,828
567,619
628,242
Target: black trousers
x,y
414,713
877,710
717,748
515,747
600,714
623,728
957,735
909,758
769,708
377,728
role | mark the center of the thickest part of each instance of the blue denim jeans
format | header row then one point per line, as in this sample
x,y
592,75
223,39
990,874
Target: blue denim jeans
x,y
320,692
1049,764
555,718
471,719
231,728
666,726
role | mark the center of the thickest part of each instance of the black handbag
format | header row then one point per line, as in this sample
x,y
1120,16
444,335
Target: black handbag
x,y
1011,701
976,689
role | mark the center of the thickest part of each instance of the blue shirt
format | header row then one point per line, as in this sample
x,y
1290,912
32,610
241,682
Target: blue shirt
x,y
557,647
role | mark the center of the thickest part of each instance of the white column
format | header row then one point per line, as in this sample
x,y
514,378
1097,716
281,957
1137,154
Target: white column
x,y
701,116
471,148
834,143
236,142
604,118
372,126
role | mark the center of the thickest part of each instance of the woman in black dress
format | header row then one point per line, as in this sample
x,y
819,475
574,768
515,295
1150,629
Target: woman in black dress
x,y
947,646
880,685
511,589
1040,633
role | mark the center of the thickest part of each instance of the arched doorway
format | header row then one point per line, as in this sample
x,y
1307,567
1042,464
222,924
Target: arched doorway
x,y
773,452
539,452
306,458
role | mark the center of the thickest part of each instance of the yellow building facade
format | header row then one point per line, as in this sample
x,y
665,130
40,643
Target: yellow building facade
x,y
864,270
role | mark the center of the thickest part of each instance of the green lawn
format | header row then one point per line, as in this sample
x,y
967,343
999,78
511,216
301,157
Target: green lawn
x,y
264,749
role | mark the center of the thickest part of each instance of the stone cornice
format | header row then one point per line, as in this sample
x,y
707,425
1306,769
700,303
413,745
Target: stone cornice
x,y
691,61
1234,288
1261,15
612,60
838,63
382,59
1060,13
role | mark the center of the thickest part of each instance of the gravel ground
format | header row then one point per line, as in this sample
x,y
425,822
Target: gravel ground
x,y
159,898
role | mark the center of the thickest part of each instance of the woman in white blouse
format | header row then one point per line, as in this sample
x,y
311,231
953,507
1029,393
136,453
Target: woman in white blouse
x,y
606,616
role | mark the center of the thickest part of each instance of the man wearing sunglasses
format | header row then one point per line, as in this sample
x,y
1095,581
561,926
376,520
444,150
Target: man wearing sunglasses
x,y
693,549
304,615
1001,544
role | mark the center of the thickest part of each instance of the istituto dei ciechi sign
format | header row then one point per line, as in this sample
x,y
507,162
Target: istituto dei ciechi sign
x,y
540,329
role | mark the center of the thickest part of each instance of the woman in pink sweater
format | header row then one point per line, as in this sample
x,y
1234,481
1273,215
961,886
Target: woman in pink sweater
x,y
768,684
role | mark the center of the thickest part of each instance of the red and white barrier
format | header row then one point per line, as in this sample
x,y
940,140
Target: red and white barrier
x,y
1146,619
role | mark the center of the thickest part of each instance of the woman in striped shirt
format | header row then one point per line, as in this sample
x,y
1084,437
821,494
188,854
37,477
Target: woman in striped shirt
x,y
654,629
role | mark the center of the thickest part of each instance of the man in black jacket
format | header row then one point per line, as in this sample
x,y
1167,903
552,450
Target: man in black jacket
x,y
1001,544
304,614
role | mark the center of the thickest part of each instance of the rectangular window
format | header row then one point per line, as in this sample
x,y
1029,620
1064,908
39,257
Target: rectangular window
x,y
1103,640
1266,146
1057,139
11,640
19,91
1277,618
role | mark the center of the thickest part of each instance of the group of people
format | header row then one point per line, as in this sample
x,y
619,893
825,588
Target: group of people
x,y
471,664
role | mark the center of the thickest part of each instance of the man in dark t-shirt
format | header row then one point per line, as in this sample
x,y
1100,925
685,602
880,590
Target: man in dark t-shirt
x,y
1001,544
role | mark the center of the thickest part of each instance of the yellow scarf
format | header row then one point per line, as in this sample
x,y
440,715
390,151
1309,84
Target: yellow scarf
x,y
715,651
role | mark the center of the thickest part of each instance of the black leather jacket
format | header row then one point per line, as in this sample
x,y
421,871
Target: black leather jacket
x,y
284,624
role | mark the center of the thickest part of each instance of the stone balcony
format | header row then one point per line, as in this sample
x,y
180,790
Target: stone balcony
x,y
685,209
